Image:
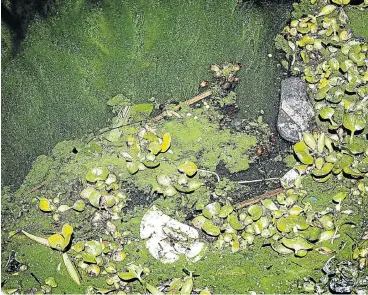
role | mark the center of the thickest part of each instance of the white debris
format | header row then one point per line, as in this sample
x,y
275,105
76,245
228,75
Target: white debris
x,y
168,238
288,180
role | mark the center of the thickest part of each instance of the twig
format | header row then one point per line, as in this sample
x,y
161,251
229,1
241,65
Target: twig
x,y
258,180
187,102
258,198
37,187
208,171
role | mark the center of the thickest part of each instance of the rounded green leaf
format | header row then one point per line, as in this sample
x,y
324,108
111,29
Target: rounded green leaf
x,y
210,228
97,173
188,167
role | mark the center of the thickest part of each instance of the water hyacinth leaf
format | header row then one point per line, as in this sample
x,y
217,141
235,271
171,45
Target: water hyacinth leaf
x,y
344,162
295,210
255,211
198,221
56,241
79,205
211,229
211,210
319,162
71,268
189,187
134,272
281,249
339,197
327,222
269,204
334,64
97,173
297,243
328,144
151,164
352,172
166,142
302,152
188,167
119,256
355,148
153,290
175,286
194,184
163,180
312,234
78,247
248,237
89,258
326,10
322,179
225,211
170,191
67,229
291,222
45,205
132,167
187,287
353,122
154,147
51,282
326,169
326,235
86,193
309,140
94,199
93,247
234,222
327,113
40,240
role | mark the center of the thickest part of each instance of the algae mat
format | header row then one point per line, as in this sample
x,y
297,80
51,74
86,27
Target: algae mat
x,y
56,87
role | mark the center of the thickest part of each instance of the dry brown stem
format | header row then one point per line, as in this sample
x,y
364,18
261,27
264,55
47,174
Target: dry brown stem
x,y
259,198
187,102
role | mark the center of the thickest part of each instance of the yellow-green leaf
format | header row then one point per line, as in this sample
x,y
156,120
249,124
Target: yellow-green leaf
x,y
71,268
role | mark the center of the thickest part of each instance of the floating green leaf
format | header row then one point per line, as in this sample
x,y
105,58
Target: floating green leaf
x,y
97,173
353,122
210,228
302,152
71,268
188,167
255,212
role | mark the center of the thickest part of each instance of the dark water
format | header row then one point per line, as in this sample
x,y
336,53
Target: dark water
x,y
62,62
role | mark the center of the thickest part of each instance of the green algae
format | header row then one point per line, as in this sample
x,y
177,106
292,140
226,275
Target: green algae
x,y
193,136
72,62
357,22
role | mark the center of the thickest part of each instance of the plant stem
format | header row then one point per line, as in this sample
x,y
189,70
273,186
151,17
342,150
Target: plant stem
x,y
259,198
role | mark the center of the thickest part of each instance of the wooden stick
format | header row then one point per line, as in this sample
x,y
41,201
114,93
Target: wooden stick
x,y
258,198
37,187
187,102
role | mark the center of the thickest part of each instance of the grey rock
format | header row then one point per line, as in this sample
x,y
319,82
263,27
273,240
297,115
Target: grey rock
x,y
296,111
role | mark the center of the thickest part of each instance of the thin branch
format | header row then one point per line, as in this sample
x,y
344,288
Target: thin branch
x,y
187,102
259,198
258,180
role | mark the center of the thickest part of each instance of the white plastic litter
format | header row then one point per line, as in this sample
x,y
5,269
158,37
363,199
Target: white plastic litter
x,y
169,238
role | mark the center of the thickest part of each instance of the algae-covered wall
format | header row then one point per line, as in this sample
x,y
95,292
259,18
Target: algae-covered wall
x,y
69,64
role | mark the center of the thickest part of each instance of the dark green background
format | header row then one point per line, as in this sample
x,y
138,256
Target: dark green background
x,y
70,63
